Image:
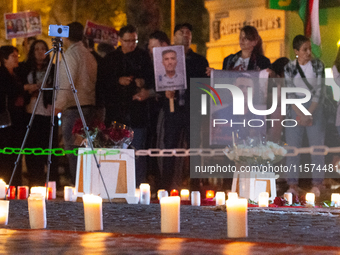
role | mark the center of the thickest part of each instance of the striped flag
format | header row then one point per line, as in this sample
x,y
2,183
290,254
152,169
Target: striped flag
x,y
309,13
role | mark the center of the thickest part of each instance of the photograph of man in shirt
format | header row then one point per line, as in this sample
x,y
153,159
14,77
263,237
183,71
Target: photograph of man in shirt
x,y
169,68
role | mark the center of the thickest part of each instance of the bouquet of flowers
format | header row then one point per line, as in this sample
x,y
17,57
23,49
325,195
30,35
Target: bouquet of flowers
x,y
255,152
118,134
104,137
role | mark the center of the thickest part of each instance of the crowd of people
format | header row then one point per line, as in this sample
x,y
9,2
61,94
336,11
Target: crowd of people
x,y
118,85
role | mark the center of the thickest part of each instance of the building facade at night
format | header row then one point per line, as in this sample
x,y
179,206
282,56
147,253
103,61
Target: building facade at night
x,y
277,28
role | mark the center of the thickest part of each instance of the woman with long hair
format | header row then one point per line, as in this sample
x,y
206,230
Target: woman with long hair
x,y
33,73
250,57
308,73
12,106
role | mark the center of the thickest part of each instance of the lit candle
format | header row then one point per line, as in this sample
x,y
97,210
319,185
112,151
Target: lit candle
x,y
37,211
68,193
185,194
137,193
93,212
289,197
263,199
174,193
49,193
232,195
4,206
335,199
11,194
2,189
209,194
237,218
53,186
162,193
22,192
220,198
6,190
310,198
170,214
144,194
39,190
195,198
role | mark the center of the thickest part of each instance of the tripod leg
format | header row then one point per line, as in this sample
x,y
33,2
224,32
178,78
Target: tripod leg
x,y
74,91
52,124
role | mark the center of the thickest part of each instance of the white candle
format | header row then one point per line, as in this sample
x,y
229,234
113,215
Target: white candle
x,y
232,195
137,194
144,194
37,211
170,214
195,198
237,218
68,193
162,193
93,212
310,198
39,190
185,194
289,197
335,199
220,198
4,207
54,189
2,189
263,199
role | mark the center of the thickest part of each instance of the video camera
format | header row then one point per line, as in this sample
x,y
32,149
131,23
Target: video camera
x,y
58,30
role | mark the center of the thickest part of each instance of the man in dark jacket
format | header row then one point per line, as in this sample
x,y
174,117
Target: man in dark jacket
x,y
123,76
177,123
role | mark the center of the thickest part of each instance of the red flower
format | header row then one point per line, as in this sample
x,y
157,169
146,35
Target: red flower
x,y
279,201
78,127
117,134
98,124
302,200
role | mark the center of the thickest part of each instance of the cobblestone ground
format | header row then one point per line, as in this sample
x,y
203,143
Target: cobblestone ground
x,y
299,226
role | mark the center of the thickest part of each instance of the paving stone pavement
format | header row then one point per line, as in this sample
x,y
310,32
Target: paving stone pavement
x,y
298,226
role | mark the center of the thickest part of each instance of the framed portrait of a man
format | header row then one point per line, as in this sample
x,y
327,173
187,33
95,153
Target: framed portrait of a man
x,y
169,66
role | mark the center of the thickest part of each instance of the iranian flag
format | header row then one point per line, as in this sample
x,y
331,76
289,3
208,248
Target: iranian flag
x,y
309,13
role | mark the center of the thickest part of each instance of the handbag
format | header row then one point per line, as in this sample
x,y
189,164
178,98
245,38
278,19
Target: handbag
x,y
328,103
5,118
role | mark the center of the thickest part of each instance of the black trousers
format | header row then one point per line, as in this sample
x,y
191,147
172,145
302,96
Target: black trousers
x,y
38,137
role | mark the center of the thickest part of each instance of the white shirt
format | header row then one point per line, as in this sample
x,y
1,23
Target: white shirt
x,y
241,64
310,76
174,83
41,110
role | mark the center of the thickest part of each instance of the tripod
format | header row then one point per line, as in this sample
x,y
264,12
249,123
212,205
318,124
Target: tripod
x,y
57,48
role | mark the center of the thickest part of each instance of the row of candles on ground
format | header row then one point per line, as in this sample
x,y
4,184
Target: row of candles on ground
x,y
144,195
37,212
23,191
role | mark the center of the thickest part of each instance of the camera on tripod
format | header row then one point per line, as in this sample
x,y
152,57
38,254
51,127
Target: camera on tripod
x,y
58,30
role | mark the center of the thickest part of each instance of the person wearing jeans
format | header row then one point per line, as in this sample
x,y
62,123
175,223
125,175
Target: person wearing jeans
x,y
305,72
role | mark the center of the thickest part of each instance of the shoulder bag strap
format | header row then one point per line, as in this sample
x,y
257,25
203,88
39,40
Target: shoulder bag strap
x,y
303,76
